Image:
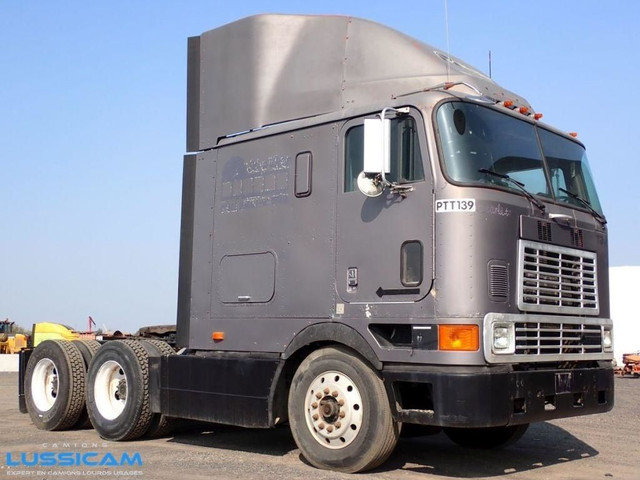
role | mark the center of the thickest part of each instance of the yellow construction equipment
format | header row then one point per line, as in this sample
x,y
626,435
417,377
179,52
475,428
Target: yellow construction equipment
x,y
52,331
11,342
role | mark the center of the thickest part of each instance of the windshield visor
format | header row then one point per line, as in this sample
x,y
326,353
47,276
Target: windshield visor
x,y
476,138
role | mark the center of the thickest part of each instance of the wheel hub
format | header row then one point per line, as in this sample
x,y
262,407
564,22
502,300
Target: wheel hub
x,y
121,390
330,409
333,408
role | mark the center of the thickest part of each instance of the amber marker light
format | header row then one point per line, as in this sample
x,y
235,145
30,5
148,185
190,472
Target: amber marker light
x,y
508,103
217,336
458,338
574,134
524,110
538,116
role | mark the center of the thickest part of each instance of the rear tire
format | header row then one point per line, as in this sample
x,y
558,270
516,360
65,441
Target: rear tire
x,y
55,385
118,390
339,412
486,438
161,425
88,349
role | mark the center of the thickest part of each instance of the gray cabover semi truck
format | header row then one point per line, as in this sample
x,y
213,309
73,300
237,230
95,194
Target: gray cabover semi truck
x,y
374,234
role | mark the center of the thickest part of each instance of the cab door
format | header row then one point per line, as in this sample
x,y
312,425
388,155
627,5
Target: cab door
x,y
384,244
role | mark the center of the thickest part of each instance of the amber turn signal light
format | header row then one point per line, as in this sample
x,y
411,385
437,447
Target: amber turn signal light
x,y
217,336
458,338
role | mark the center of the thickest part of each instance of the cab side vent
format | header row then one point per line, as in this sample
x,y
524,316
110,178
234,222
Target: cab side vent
x,y
577,238
498,280
544,231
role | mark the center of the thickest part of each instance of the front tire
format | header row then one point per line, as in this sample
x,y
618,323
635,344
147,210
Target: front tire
x,y
339,412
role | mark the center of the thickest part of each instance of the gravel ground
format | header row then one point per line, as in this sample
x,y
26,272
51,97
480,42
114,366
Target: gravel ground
x,y
593,447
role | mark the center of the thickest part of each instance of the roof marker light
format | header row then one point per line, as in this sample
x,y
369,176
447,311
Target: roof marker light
x,y
508,103
574,134
538,116
524,110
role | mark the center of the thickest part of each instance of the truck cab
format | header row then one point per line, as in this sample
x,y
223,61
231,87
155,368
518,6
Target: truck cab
x,y
374,235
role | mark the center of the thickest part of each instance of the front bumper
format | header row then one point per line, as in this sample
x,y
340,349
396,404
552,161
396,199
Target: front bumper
x,y
495,396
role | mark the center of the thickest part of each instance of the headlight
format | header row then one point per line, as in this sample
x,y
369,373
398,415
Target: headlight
x,y
504,338
607,340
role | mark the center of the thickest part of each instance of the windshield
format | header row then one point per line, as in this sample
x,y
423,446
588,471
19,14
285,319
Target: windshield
x,y
475,138
568,170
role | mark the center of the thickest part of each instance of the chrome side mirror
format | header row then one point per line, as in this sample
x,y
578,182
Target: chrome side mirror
x,y
377,153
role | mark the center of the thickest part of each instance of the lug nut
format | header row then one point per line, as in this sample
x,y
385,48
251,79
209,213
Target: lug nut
x,y
326,391
321,425
342,414
334,393
329,429
314,405
315,417
338,424
318,395
341,402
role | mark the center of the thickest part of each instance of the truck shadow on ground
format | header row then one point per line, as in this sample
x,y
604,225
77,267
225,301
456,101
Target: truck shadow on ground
x,y
543,445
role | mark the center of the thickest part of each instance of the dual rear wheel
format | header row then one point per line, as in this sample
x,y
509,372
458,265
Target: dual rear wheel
x,y
80,383
55,385
118,390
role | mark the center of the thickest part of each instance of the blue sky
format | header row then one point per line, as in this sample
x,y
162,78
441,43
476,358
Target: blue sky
x,y
92,130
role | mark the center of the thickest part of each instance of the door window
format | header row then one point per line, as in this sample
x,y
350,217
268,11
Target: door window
x,y
406,160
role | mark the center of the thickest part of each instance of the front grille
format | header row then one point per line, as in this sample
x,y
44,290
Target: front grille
x,y
556,279
533,338
546,338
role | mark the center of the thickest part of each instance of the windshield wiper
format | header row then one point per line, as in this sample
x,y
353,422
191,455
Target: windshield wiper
x,y
587,205
518,184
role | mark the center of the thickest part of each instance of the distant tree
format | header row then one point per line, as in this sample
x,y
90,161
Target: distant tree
x,y
18,329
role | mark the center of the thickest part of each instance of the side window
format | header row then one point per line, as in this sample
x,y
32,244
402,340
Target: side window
x,y
411,261
406,159
354,156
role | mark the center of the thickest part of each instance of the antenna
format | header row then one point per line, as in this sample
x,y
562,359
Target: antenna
x,y
446,26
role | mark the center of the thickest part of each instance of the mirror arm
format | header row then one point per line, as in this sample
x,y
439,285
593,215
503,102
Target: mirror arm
x,y
401,190
383,115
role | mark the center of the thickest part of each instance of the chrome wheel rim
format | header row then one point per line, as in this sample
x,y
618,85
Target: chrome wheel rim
x,y
333,410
